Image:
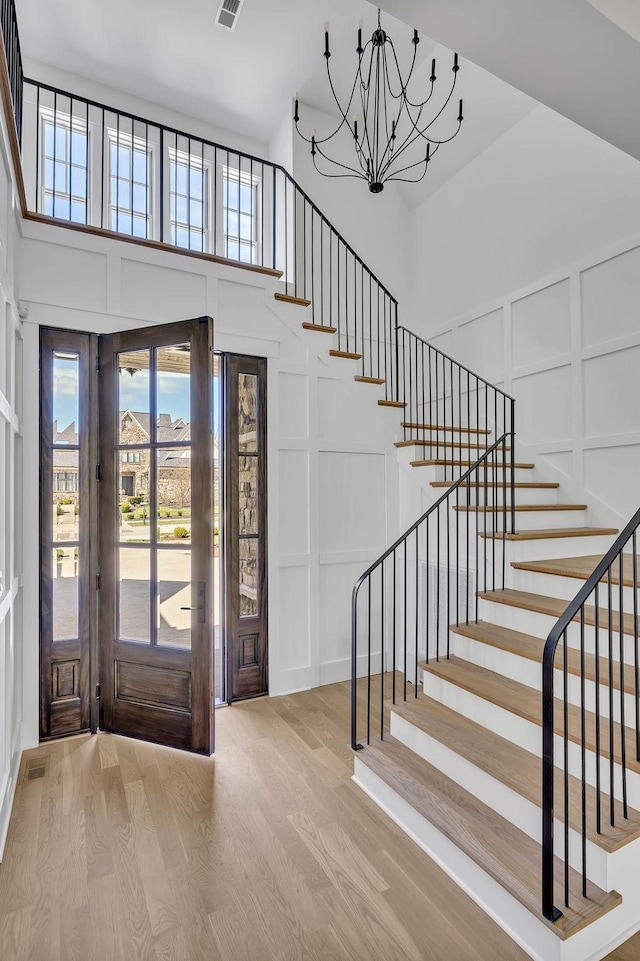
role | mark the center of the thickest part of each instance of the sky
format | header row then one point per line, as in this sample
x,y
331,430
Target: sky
x,y
173,392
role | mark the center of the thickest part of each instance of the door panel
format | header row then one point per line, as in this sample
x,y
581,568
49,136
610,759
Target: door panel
x,y
66,509
156,534
246,541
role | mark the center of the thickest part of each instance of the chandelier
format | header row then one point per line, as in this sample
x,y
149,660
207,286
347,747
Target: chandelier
x,y
391,132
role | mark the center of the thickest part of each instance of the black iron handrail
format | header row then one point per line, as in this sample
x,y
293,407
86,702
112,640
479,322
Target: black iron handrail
x,y
449,408
575,612
490,572
287,232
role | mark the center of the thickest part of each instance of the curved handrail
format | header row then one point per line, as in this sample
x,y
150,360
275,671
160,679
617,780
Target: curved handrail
x,y
387,553
574,611
457,363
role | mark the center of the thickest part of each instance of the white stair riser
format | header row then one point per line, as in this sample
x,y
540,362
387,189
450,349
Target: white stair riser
x,y
591,944
529,520
438,472
538,624
554,585
495,495
525,671
539,549
528,735
496,795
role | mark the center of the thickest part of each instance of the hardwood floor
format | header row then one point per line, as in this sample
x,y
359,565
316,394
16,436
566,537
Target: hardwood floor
x,y
126,851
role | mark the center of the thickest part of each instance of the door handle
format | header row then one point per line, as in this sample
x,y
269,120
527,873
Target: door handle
x,y
200,607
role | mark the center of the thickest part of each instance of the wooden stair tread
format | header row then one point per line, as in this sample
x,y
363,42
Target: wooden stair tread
x,y
368,380
514,767
392,403
531,648
543,485
456,445
347,355
525,702
290,299
454,462
320,328
410,425
498,508
497,846
581,567
552,532
556,606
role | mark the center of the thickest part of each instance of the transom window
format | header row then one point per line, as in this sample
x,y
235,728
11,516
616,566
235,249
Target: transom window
x,y
130,186
188,185
65,191
240,216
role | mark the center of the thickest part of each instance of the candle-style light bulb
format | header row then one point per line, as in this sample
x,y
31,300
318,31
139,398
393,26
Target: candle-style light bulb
x,y
455,63
432,78
313,143
460,117
295,110
326,41
355,126
359,49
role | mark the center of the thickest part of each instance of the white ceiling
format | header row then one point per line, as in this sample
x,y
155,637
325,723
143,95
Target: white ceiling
x,y
171,52
624,13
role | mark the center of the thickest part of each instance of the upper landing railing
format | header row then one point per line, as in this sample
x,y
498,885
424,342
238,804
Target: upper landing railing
x,y
97,167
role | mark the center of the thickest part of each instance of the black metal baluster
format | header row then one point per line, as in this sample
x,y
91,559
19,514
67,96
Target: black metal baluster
x,y
70,153
404,653
596,601
393,666
636,672
38,169
623,729
565,741
583,756
55,141
313,272
438,580
426,593
369,659
415,674
274,218
611,724
382,649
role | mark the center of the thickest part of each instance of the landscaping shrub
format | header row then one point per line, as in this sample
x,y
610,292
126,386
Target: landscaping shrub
x,y
126,507
180,532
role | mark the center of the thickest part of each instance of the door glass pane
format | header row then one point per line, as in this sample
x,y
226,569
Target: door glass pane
x,y
134,513
65,593
248,495
133,397
134,610
65,503
174,494
174,594
248,583
247,413
66,404
173,366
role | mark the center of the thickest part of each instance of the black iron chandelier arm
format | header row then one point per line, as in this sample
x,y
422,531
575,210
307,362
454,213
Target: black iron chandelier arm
x,y
419,163
411,139
403,85
318,150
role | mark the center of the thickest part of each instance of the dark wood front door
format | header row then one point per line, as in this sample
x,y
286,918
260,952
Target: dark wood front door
x,y
156,547
246,528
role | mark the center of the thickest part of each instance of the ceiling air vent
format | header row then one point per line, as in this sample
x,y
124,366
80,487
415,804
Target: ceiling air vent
x,y
228,12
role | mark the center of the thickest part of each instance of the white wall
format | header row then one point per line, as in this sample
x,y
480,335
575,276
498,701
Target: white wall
x,y
527,269
376,225
332,478
11,500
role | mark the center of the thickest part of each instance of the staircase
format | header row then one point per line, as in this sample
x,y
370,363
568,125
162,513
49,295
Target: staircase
x,y
457,758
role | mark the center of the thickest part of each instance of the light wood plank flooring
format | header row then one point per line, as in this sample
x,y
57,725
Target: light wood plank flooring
x,y
127,851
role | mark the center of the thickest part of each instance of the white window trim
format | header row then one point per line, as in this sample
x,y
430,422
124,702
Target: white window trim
x,y
194,162
131,141
244,177
61,118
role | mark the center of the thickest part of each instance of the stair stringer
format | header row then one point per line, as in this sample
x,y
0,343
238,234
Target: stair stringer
x,y
590,944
